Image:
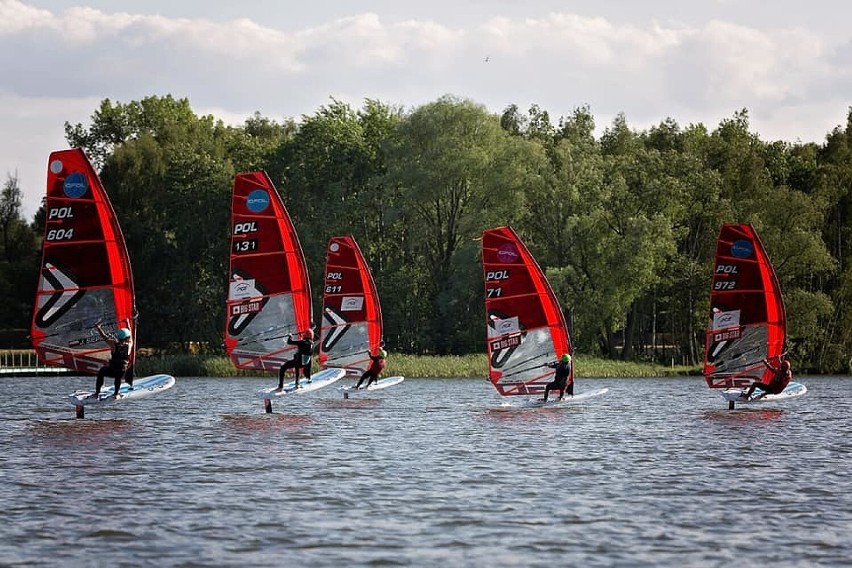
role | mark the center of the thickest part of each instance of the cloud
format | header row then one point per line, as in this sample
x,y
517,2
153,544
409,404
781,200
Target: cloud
x,y
793,80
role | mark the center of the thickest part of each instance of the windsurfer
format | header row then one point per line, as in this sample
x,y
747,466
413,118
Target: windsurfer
x,y
562,380
301,360
121,346
376,366
781,377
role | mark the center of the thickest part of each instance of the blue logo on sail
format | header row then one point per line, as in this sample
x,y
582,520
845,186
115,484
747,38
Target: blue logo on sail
x,y
257,200
75,185
742,248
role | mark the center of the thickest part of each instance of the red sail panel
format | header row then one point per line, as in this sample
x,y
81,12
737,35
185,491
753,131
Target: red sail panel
x,y
747,319
526,327
269,293
85,273
351,314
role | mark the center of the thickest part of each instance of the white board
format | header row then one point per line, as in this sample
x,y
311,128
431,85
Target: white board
x,y
792,390
318,381
146,386
378,385
553,400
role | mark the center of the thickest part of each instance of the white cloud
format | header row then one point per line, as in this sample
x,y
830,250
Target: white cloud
x,y
794,80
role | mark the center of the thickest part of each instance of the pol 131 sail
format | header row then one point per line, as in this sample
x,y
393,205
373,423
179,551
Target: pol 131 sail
x,y
351,314
269,295
85,273
526,327
747,319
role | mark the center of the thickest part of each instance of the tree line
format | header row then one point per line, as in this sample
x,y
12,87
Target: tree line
x,y
624,224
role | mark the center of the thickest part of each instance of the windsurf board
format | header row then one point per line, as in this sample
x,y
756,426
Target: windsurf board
x,y
141,388
317,381
554,402
792,390
378,385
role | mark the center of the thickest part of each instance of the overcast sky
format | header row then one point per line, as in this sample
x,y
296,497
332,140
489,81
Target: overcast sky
x,y
788,62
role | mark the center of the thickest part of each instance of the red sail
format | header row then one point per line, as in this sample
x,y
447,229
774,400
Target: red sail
x,y
747,319
351,314
85,270
526,327
269,293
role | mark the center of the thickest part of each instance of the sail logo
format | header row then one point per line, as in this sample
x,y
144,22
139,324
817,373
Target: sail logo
x,y
507,253
75,185
723,320
60,213
334,247
251,299
243,289
64,293
257,200
337,328
352,303
244,228
506,326
742,248
246,308
497,275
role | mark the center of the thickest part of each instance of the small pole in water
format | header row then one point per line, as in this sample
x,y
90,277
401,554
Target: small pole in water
x,y
267,405
80,410
345,395
730,405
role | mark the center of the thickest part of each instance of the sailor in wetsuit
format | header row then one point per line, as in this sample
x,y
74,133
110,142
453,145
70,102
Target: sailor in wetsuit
x,y
122,347
562,380
376,367
301,360
781,377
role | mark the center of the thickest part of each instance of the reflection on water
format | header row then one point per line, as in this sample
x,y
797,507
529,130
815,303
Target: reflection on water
x,y
266,422
745,414
429,473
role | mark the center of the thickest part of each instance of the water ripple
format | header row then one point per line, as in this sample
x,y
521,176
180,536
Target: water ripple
x,y
430,473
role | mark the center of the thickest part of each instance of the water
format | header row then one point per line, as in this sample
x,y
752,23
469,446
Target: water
x,y
428,473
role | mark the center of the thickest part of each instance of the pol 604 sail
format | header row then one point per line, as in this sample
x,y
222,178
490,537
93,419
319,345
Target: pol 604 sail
x,y
85,275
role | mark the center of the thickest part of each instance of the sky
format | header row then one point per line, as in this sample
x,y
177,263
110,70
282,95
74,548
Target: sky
x,y
789,63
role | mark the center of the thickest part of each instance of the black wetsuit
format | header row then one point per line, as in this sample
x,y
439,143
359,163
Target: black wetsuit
x,y
301,361
777,383
560,380
117,367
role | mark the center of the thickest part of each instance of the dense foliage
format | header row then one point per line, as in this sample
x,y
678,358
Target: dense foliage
x,y
624,224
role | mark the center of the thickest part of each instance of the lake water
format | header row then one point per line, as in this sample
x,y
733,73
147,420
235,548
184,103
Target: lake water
x,y
657,472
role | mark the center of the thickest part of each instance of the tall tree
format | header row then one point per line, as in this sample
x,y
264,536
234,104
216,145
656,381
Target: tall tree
x,y
456,171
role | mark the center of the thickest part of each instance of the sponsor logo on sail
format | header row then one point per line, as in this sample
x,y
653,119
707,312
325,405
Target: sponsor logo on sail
x,y
351,303
742,248
75,185
507,253
334,247
257,200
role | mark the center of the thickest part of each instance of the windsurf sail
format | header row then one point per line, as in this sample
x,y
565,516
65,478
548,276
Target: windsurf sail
x,y
85,273
351,314
526,327
269,294
747,319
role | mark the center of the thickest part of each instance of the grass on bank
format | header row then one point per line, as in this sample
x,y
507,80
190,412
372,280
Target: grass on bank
x,y
449,366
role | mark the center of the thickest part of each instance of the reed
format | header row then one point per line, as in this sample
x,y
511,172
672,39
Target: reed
x,y
413,366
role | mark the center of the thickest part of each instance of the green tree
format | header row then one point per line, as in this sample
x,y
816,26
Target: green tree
x,y
18,261
457,172
169,178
